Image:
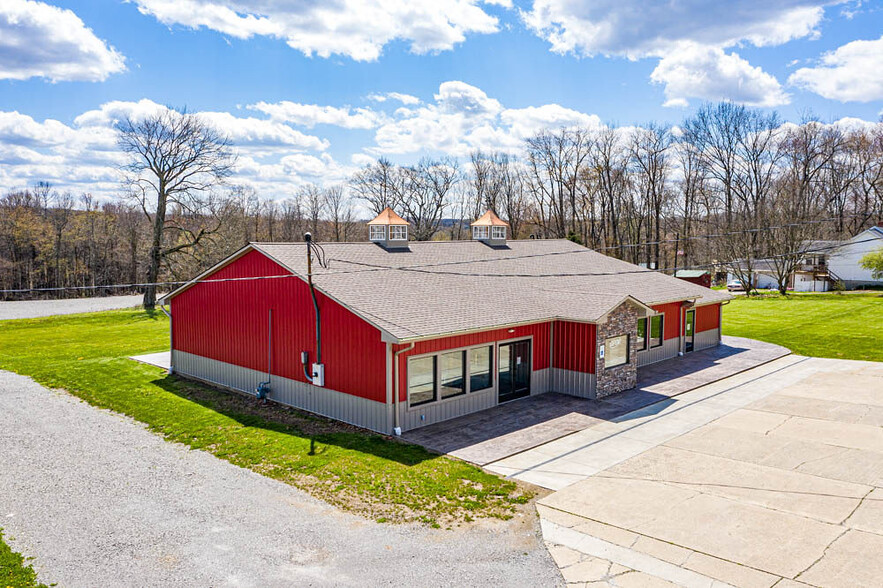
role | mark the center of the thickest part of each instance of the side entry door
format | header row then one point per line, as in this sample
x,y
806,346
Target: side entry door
x,y
514,371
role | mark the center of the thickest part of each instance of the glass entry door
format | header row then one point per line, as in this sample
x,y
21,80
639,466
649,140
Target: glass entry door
x,y
514,370
689,327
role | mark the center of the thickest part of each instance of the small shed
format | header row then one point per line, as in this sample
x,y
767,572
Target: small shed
x,y
701,277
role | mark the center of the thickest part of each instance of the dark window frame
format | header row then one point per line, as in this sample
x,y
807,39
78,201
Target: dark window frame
x,y
436,356
645,339
435,378
650,343
490,366
628,350
463,374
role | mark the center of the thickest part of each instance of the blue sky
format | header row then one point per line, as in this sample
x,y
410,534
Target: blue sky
x,y
472,74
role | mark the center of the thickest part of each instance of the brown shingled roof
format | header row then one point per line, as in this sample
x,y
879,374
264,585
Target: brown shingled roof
x,y
439,288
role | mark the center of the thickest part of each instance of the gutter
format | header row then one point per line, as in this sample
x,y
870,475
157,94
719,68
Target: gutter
x,y
398,427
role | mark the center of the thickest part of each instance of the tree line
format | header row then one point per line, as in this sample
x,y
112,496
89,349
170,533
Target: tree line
x,y
731,187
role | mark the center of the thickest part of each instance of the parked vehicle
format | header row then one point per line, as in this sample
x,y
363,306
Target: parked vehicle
x,y
735,286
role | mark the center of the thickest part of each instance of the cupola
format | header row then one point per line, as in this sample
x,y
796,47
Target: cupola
x,y
388,230
490,229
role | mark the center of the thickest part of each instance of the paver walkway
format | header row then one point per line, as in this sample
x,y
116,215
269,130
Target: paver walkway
x,y
494,434
783,490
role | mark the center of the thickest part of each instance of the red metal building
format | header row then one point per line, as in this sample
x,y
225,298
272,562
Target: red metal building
x,y
412,333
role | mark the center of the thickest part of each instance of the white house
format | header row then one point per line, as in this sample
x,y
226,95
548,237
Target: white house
x,y
844,261
826,263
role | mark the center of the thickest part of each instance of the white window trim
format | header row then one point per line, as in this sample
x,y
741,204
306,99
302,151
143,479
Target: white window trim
x,y
480,233
381,229
501,231
395,229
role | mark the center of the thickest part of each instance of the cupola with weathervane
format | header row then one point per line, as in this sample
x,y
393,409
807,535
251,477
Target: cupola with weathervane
x,y
389,230
490,229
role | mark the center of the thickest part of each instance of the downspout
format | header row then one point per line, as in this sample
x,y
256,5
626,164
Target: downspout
x,y
398,427
171,340
308,237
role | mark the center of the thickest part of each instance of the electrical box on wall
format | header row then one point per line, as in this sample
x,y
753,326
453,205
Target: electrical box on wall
x,y
318,374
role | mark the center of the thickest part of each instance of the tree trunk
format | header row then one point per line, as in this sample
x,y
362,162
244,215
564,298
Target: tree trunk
x,y
155,257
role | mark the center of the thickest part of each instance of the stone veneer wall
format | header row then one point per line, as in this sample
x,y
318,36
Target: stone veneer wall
x,y
622,320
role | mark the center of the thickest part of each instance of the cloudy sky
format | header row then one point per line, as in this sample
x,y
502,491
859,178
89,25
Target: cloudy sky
x,y
309,90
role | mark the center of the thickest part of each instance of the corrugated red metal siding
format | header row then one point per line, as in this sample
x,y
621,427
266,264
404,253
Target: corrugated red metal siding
x,y
574,347
672,320
227,321
539,331
707,317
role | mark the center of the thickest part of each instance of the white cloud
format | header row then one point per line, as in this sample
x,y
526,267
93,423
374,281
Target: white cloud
x,y
636,29
708,73
355,28
260,133
362,159
464,118
689,37
310,115
406,99
39,40
851,73
83,156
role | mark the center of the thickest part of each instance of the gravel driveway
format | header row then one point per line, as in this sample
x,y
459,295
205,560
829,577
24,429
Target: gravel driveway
x,y
100,501
38,308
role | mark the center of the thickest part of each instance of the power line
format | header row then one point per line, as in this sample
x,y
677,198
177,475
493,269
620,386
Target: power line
x,y
422,269
724,234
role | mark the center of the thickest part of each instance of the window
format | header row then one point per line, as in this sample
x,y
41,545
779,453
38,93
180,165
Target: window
x,y
616,351
439,377
421,380
377,232
479,232
453,373
481,366
398,233
498,233
642,334
656,330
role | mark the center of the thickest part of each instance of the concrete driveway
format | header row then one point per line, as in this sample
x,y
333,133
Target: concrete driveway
x,y
780,485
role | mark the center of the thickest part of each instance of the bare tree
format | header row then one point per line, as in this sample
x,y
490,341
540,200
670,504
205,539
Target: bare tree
x,y
649,153
554,161
423,194
374,185
313,200
175,159
339,211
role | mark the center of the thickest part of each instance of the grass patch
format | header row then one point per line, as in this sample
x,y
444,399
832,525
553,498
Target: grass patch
x,y
842,326
375,476
15,572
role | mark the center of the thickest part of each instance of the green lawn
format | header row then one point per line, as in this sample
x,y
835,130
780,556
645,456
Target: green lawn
x,y
375,476
14,570
842,326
